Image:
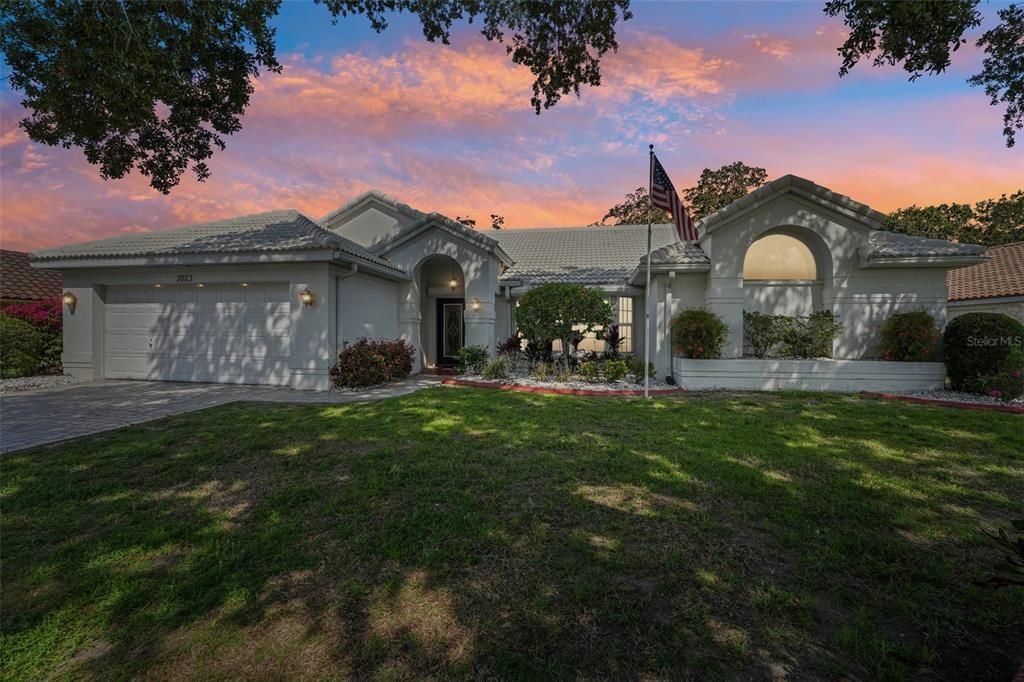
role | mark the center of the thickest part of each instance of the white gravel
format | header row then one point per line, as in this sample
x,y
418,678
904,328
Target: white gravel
x,y
574,385
960,397
47,381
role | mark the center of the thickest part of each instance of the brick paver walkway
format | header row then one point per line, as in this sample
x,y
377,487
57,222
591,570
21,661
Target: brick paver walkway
x,y
49,416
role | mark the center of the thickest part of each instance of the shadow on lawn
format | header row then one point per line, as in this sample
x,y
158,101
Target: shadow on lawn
x,y
455,532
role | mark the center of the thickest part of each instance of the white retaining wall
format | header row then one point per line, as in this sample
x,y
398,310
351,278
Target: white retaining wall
x,y
808,375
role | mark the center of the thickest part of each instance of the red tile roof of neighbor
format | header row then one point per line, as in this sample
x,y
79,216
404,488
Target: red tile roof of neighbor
x,y
1001,276
19,281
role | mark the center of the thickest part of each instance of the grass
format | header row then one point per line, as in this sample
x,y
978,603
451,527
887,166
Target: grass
x,y
462,532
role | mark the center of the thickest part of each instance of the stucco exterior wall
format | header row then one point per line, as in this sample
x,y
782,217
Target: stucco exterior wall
x,y
669,295
781,298
367,306
1012,306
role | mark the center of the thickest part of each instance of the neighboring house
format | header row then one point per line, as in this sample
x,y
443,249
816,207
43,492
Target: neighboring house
x,y
270,298
993,287
22,283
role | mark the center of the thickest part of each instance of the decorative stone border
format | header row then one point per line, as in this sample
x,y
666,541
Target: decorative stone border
x,y
986,407
518,388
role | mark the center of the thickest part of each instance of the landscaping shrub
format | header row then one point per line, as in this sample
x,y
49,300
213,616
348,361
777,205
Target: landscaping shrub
x,y
562,311
496,369
541,371
810,336
589,371
613,340
1002,386
471,359
371,363
538,352
563,376
980,345
636,368
761,332
511,346
46,317
21,346
614,370
698,333
909,337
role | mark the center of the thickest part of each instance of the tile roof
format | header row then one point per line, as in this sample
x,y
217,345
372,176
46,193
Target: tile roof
x,y
883,244
999,277
678,253
19,281
272,231
584,255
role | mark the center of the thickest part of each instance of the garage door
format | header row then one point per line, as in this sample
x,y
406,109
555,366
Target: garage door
x,y
228,333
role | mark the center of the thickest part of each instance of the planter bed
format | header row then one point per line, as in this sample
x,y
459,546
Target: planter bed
x,y
564,388
850,376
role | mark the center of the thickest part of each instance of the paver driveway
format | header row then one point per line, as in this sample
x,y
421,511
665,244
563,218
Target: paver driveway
x,y
41,417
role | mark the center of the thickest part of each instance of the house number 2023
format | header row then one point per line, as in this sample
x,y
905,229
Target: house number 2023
x,y
184,278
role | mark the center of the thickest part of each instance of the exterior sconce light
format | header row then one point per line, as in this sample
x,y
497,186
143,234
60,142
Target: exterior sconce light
x,y
476,304
307,297
70,300
453,284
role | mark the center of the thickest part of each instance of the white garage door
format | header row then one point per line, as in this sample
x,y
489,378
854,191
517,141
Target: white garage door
x,y
228,333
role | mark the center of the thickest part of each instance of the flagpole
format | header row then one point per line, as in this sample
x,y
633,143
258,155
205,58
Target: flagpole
x,y
647,290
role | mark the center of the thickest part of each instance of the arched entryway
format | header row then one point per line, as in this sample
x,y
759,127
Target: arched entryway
x,y
442,287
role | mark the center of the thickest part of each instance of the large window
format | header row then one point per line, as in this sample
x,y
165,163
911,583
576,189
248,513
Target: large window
x,y
624,318
779,257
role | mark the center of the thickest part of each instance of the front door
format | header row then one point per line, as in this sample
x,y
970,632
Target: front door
x,y
451,329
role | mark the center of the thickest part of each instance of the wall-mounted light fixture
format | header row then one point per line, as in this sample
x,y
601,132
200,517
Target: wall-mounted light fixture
x,y
307,297
476,304
70,300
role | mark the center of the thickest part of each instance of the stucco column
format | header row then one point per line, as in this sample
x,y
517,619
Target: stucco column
x,y
314,343
409,318
724,297
479,317
84,331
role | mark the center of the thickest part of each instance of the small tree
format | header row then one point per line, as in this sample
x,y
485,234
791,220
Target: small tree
x,y
561,311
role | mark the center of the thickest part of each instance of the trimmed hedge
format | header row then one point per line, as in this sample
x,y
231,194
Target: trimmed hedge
x,y
909,337
981,345
371,363
698,333
788,336
21,347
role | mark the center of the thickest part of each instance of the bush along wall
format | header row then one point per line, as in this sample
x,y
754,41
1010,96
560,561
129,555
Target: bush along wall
x,y
371,363
985,354
43,347
791,336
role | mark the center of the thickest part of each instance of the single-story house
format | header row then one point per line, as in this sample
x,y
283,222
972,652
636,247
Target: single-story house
x,y
22,283
270,298
995,286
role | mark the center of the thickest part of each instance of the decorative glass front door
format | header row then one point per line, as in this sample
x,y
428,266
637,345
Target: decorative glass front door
x,y
451,329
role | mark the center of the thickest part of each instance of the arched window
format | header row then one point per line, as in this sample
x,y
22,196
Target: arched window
x,y
779,257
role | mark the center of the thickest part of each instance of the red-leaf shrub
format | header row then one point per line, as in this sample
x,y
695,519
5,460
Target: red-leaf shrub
x,y
909,337
371,363
43,314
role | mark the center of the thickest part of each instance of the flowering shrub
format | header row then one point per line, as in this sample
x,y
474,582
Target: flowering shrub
x,y
371,363
698,333
45,317
42,314
909,337
1003,386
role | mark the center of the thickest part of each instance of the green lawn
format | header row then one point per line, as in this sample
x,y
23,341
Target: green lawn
x,y
462,532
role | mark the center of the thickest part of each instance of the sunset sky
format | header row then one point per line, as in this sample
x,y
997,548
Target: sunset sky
x,y
451,128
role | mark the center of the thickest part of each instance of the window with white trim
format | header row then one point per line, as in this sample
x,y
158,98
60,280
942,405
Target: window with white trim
x,y
624,318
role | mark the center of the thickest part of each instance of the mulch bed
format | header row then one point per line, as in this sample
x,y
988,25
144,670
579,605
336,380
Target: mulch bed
x,y
518,388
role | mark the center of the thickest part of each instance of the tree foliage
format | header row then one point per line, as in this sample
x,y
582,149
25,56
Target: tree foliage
x,y
720,187
561,311
156,86
633,211
921,35
715,189
990,222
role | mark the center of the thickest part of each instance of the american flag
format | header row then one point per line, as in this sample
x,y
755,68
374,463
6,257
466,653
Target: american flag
x,y
664,196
